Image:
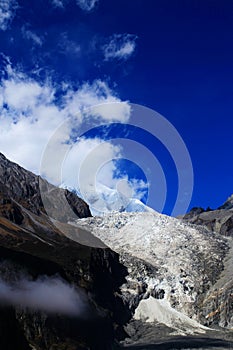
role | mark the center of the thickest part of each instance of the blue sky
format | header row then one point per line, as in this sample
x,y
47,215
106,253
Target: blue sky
x,y
174,57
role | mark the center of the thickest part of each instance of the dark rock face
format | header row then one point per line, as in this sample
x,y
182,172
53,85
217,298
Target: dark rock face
x,y
218,302
219,220
228,204
140,272
11,333
24,187
32,245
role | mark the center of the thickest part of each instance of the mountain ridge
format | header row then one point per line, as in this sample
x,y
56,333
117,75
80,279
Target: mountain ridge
x,y
26,187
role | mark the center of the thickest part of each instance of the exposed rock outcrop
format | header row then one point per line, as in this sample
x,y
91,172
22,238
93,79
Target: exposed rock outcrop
x,y
25,188
228,204
218,302
219,220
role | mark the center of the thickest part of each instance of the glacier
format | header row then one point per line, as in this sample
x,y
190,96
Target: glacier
x,y
171,264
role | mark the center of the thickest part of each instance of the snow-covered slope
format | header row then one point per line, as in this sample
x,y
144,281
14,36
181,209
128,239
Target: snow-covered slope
x,y
166,258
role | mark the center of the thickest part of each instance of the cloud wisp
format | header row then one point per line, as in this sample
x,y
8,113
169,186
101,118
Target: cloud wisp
x,y
87,5
48,294
68,47
30,35
120,46
7,12
58,3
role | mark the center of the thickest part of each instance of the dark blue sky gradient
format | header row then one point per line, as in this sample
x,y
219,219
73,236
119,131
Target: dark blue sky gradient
x,y
182,68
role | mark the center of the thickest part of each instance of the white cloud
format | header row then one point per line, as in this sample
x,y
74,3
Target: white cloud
x,y
7,12
22,95
87,5
29,35
29,114
86,158
100,98
120,46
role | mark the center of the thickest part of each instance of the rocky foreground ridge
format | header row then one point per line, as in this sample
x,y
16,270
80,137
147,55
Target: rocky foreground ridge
x,y
35,254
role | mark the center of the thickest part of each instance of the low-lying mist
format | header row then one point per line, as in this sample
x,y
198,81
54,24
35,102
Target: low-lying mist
x,y
49,294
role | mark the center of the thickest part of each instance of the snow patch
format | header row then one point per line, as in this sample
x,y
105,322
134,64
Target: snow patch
x,y
160,310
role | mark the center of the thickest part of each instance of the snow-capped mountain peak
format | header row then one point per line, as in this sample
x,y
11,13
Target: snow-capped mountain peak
x,y
103,200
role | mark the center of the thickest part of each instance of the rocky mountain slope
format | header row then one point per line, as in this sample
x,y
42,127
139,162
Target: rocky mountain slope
x,y
218,302
24,187
219,220
55,292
